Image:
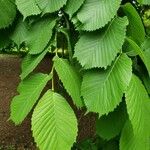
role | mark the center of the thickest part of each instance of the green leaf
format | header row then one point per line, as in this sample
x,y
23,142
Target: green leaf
x,y
110,126
136,96
54,123
7,12
30,62
144,55
70,79
129,50
40,35
138,136
147,110
20,33
100,48
135,29
49,6
144,2
146,44
96,14
28,7
30,90
147,59
103,90
72,6
134,48
131,141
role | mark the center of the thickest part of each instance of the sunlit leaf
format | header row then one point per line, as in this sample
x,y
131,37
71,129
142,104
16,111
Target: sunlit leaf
x,y
54,123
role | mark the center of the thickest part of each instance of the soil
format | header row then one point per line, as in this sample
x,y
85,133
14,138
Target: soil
x,y
20,137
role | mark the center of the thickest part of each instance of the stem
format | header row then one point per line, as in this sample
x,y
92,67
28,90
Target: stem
x,y
52,71
66,32
53,82
67,21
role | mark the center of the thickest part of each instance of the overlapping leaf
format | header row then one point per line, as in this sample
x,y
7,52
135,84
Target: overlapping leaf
x,y
72,6
144,55
95,14
49,6
135,29
111,125
7,12
147,59
103,90
147,112
70,79
131,141
136,96
30,62
146,44
20,33
101,47
28,7
138,136
54,123
30,90
144,2
40,35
